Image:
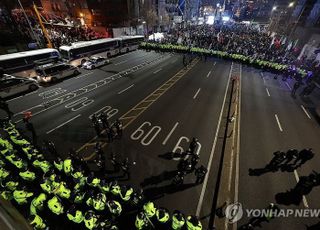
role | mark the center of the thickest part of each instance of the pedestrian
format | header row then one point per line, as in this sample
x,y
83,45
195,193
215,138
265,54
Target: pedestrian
x,y
118,125
200,174
104,120
193,145
178,179
194,161
125,168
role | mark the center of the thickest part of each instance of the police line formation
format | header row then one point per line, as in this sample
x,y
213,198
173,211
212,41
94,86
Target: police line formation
x,y
277,68
63,195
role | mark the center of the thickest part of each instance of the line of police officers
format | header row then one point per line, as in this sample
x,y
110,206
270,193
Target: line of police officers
x,y
70,191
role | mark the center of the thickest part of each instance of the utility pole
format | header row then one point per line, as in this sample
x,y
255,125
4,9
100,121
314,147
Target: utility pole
x,y
29,23
45,33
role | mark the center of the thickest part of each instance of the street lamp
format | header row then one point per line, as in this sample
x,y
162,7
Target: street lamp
x,y
274,8
291,4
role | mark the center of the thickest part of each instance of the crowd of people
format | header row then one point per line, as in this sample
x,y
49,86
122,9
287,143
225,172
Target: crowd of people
x,y
66,194
60,32
237,39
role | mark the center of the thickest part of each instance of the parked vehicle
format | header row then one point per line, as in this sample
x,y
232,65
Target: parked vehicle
x,y
95,62
55,72
10,85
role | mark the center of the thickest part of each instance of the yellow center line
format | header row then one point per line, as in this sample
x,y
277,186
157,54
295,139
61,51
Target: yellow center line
x,y
129,119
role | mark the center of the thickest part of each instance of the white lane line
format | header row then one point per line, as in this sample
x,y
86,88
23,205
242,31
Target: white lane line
x,y
288,86
268,92
276,116
14,98
126,89
209,74
195,96
305,111
31,93
304,199
169,135
59,126
205,182
122,62
157,71
80,76
236,179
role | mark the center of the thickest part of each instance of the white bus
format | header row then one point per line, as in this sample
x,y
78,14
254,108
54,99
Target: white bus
x,y
25,60
129,43
82,49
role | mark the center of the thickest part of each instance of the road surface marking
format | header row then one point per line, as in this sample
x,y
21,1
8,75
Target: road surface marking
x,y
80,76
268,92
208,75
236,179
305,111
14,98
169,135
127,118
195,96
276,116
31,93
126,89
122,62
205,182
157,71
304,199
288,86
59,126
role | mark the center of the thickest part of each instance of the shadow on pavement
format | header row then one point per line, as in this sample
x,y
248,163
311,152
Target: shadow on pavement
x,y
313,227
166,175
158,192
303,187
286,162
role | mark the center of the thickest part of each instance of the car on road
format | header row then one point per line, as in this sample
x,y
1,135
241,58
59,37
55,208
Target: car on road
x,y
11,85
94,62
55,71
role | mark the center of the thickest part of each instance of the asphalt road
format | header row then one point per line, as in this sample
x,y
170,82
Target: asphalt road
x,y
190,107
264,98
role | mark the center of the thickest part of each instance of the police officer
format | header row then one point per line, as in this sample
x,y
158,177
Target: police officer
x,y
141,221
37,222
149,209
55,206
68,166
125,168
114,207
95,124
104,120
193,145
163,217
99,203
75,215
37,203
27,175
90,220
21,195
200,173
126,192
118,125
93,181
178,220
193,223
58,164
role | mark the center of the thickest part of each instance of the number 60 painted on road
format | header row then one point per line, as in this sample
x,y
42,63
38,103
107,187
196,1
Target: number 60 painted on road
x,y
139,133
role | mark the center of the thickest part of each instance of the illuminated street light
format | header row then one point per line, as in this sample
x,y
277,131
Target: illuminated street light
x,y
274,8
81,15
291,4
